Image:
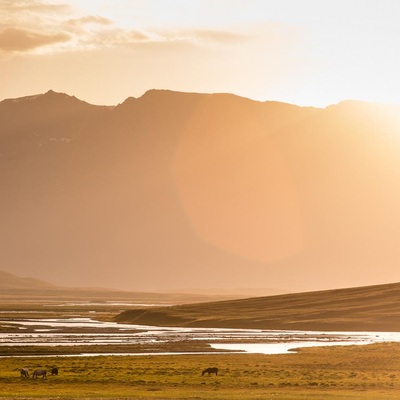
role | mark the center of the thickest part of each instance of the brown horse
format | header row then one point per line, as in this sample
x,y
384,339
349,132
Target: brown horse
x,y
39,372
209,371
24,372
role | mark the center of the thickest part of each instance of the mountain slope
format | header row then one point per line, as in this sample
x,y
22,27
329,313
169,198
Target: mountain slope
x,y
174,190
372,308
13,282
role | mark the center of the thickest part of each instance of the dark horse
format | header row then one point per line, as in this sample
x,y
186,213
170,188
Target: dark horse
x,y
54,371
24,372
39,372
210,371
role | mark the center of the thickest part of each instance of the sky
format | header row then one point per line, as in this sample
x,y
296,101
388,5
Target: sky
x,y
304,52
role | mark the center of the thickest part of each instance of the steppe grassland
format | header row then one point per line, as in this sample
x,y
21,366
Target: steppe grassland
x,y
350,372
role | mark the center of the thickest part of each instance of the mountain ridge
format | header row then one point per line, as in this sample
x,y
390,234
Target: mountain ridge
x,y
166,92
200,190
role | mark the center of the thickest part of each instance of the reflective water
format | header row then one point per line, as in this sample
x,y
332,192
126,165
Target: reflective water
x,y
89,332
108,304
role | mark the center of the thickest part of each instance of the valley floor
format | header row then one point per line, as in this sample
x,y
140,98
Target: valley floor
x,y
332,373
368,372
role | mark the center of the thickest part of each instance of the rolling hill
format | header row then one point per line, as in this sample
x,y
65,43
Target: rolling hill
x,y
370,308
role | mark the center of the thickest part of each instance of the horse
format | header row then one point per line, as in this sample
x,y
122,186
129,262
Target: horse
x,y
24,372
54,371
209,371
39,372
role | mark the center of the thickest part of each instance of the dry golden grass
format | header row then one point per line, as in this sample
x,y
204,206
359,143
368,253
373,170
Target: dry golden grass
x,y
371,308
356,372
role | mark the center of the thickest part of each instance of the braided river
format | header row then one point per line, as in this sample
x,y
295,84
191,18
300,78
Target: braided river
x,y
66,332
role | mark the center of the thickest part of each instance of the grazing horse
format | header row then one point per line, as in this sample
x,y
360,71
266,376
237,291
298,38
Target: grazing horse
x,y
24,372
54,371
210,371
39,372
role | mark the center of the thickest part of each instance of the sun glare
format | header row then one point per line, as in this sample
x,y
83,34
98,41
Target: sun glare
x,y
236,199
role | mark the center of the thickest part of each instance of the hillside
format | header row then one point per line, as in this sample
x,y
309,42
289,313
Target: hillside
x,y
178,190
14,288
12,282
372,308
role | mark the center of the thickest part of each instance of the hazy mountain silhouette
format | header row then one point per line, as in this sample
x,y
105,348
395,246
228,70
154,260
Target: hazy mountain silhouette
x,y
176,190
15,288
11,282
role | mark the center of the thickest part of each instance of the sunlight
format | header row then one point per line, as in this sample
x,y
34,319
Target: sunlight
x,y
239,200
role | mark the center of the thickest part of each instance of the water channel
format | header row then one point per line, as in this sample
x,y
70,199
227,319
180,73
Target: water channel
x,y
51,332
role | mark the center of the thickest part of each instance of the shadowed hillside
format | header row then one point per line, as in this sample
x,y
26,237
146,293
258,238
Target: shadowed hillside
x,y
372,308
175,190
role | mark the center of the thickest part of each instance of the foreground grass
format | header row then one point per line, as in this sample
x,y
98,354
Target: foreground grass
x,y
354,372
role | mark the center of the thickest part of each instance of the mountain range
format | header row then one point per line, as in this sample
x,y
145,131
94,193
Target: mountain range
x,y
175,190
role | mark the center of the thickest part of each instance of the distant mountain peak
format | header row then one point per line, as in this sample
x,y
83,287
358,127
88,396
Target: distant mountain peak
x,y
51,92
50,95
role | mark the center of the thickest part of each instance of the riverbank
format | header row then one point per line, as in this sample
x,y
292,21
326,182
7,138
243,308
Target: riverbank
x,y
80,336
56,328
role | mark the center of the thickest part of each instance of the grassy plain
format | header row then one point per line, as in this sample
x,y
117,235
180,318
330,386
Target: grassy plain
x,y
354,372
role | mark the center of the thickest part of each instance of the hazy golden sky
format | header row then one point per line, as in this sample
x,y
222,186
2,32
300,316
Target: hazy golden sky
x,y
306,52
